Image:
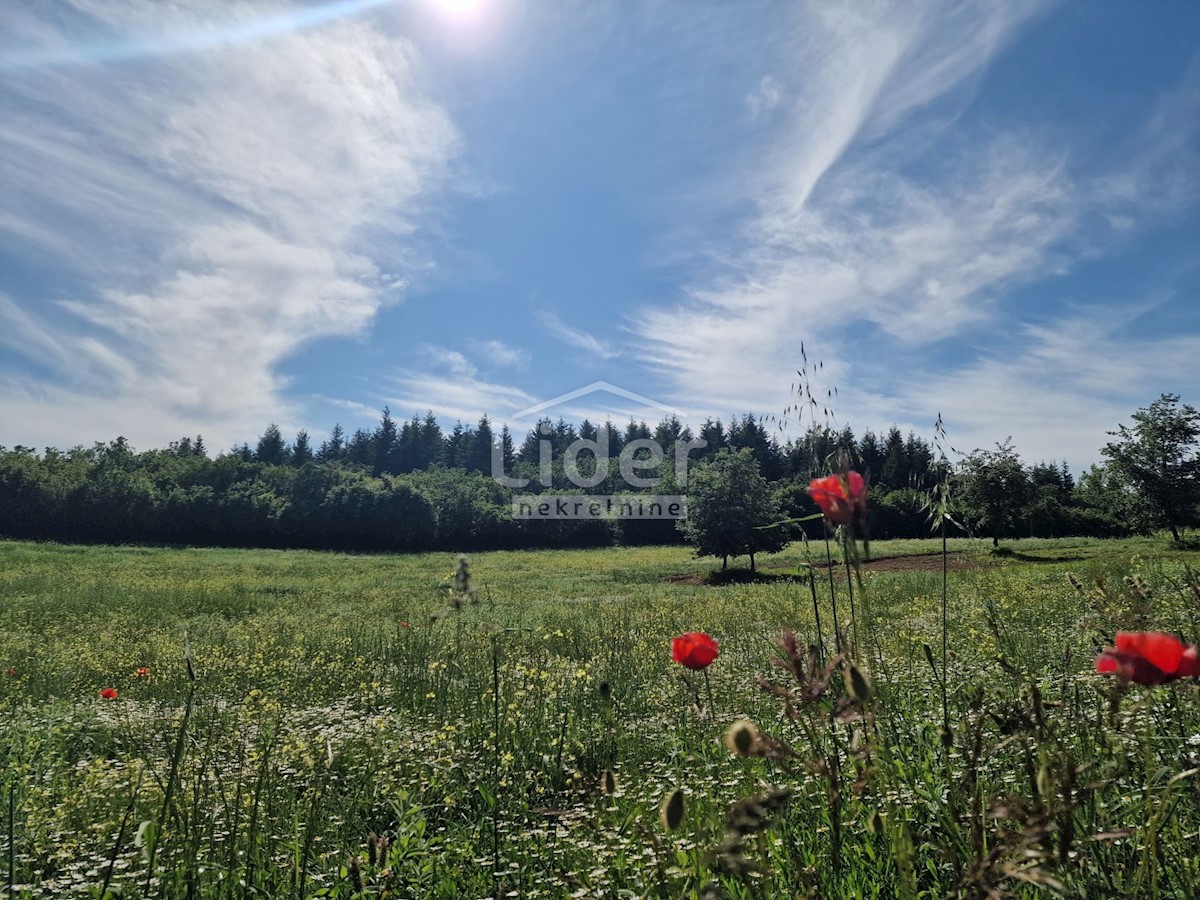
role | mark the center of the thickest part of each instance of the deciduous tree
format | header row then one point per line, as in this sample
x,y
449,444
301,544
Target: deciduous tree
x,y
728,503
1158,454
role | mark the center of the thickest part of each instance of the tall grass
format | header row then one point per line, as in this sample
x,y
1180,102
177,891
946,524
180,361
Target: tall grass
x,y
347,737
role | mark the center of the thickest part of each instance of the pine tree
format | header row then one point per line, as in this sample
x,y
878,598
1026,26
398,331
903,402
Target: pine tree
x,y
301,450
712,432
895,464
360,449
271,448
408,450
334,448
433,446
530,451
480,459
870,454
508,454
384,444
455,455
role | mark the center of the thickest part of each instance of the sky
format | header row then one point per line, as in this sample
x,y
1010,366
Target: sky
x,y
217,214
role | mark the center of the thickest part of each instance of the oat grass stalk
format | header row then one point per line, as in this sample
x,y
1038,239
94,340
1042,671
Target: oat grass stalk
x,y
497,768
157,826
812,585
12,834
116,850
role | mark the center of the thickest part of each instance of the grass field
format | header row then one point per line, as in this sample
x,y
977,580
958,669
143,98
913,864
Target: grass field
x,y
350,733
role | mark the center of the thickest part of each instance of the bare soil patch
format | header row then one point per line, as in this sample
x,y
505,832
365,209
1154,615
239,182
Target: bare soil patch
x,y
956,561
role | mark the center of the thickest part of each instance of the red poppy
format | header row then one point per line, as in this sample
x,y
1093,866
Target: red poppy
x,y
842,498
108,694
405,625
10,672
142,672
696,650
1149,658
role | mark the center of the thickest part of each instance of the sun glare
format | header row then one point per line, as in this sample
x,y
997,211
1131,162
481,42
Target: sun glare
x,y
458,7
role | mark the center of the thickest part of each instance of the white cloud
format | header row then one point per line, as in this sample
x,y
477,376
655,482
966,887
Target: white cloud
x,y
447,360
222,209
1078,377
869,246
452,396
575,337
766,95
501,354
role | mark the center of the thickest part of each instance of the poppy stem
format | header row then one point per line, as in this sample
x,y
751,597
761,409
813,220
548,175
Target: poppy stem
x,y
837,633
847,536
812,585
708,689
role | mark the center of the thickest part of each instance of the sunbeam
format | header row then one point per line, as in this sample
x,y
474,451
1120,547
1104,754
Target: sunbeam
x,y
221,36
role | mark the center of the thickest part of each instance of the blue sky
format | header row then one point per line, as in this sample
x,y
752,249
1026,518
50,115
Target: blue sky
x,y
217,215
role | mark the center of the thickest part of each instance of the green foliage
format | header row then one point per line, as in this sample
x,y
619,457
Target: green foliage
x,y
729,505
899,514
278,494
1160,458
993,488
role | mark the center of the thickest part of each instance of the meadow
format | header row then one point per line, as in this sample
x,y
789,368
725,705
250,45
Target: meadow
x,y
303,724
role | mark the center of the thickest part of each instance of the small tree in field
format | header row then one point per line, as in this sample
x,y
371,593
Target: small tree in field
x,y
728,502
1159,456
994,488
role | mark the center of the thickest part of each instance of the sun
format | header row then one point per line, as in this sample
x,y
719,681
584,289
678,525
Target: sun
x,y
458,7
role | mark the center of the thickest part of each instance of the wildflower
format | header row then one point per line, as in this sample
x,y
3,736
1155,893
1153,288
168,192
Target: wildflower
x,y
842,497
108,694
696,650
1149,658
142,672
10,672
405,625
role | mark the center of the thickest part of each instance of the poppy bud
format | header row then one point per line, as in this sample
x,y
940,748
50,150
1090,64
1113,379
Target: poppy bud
x,y
875,823
671,812
1045,785
741,737
608,783
859,685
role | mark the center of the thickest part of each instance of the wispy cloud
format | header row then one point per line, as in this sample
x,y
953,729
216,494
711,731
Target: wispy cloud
x,y
576,337
219,209
865,240
451,395
766,95
500,354
1078,377
444,359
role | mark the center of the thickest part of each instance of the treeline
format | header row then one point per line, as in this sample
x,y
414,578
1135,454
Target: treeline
x,y
414,486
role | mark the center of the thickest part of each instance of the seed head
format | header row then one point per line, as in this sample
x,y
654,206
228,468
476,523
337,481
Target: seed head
x,y
741,737
672,810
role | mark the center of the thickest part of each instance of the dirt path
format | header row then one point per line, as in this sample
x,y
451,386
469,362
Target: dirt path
x,y
955,562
